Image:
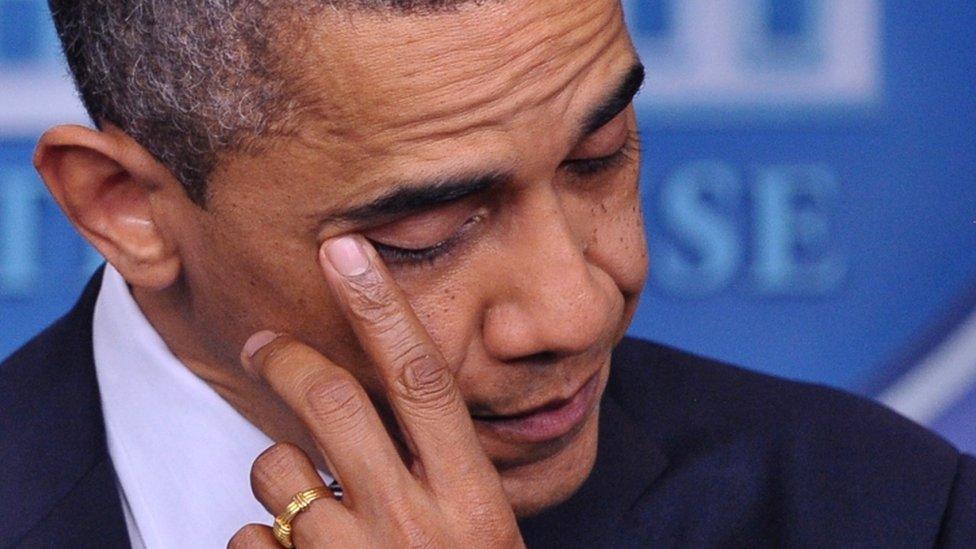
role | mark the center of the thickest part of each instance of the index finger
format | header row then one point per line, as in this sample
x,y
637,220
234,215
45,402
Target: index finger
x,y
418,381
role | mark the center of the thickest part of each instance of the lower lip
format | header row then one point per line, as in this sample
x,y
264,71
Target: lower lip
x,y
549,424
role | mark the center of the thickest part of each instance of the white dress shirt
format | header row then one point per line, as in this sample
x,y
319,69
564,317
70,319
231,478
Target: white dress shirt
x,y
182,454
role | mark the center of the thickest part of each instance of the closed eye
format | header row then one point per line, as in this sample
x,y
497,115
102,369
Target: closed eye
x,y
427,236
395,256
585,167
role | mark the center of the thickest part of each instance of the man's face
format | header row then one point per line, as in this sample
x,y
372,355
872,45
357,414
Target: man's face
x,y
514,227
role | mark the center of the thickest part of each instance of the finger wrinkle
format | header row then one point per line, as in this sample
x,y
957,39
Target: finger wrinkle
x,y
338,404
427,382
281,353
273,466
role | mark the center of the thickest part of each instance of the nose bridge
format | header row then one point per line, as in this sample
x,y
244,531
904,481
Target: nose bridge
x,y
553,301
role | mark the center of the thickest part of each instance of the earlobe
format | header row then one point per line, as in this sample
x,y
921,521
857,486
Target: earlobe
x,y
106,184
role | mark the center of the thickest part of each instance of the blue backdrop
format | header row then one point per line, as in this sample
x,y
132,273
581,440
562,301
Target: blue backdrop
x,y
809,189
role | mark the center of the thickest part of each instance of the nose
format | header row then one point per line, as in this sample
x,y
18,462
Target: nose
x,y
549,299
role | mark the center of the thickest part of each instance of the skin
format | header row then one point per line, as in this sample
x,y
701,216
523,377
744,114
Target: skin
x,y
525,307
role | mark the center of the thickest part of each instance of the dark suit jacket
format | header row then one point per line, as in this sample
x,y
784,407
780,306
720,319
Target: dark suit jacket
x,y
692,453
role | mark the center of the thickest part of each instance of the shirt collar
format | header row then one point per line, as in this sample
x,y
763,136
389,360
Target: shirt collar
x,y
182,454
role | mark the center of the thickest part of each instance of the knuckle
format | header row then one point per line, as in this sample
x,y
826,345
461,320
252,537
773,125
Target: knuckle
x,y
252,535
393,328
407,352
421,541
273,465
337,402
494,523
410,524
427,381
285,351
510,537
373,301
414,535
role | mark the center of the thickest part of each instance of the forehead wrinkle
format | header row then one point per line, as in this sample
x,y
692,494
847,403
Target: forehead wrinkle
x,y
495,102
472,74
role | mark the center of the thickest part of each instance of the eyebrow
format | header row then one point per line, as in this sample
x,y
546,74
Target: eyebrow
x,y
619,100
407,198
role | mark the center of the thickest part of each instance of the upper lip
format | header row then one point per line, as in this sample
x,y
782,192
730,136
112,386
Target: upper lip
x,y
551,404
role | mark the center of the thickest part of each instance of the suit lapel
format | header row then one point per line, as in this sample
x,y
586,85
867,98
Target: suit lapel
x,y
63,485
598,515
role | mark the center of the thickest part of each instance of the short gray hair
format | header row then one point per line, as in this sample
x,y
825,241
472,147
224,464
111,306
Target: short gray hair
x,y
189,79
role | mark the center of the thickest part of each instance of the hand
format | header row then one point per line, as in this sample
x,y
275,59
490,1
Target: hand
x,y
449,496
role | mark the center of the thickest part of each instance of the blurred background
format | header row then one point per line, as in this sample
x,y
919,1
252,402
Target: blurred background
x,y
809,186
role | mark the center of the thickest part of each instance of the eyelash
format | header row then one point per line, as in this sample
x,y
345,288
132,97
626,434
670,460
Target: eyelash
x,y
395,256
584,167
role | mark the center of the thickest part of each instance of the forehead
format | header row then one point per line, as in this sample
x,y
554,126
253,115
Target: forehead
x,y
370,73
388,97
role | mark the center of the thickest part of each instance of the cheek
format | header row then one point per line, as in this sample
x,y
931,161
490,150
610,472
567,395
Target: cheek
x,y
280,273
616,239
247,278
449,307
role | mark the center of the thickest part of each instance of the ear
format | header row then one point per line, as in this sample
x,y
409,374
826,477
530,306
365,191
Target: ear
x,y
106,184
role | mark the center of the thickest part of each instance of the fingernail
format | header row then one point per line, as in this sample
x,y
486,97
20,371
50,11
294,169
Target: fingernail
x,y
347,256
257,341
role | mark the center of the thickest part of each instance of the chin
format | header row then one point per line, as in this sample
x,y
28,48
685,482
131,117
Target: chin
x,y
532,488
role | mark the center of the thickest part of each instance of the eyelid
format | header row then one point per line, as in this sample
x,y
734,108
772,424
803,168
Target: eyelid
x,y
583,167
417,236
593,145
395,256
418,226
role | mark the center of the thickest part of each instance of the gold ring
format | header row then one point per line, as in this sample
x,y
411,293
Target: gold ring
x,y
301,501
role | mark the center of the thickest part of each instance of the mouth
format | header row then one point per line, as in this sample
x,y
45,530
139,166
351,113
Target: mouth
x,y
552,420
